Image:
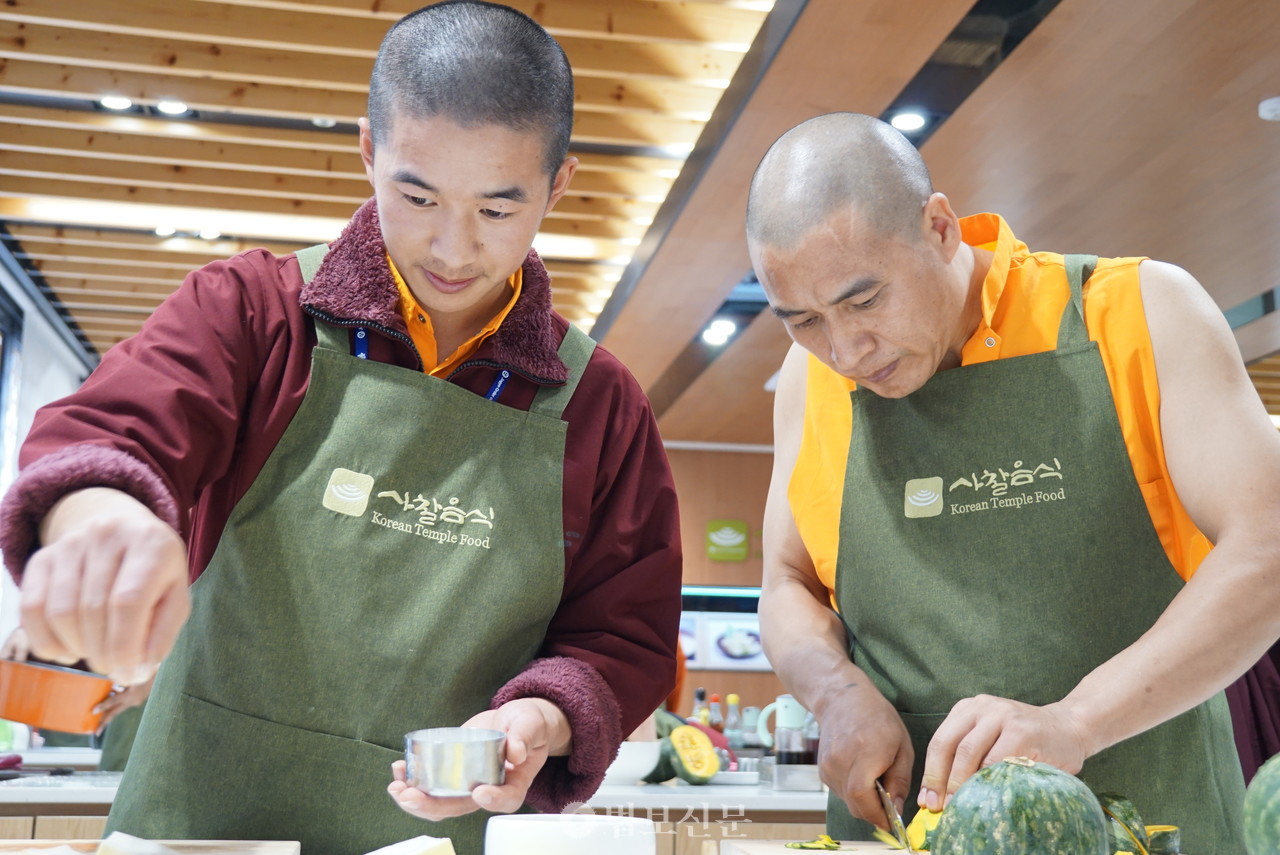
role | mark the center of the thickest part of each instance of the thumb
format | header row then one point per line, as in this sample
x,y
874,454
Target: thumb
x,y
517,748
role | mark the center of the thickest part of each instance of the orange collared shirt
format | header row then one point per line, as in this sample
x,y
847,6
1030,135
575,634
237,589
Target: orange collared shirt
x,y
1023,297
424,337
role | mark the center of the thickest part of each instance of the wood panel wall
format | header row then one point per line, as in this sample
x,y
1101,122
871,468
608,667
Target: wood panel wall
x,y
722,485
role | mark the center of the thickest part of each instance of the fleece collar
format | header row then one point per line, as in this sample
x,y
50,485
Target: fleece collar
x,y
355,283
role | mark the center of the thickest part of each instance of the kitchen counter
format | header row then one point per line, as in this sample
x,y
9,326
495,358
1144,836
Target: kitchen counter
x,y
183,847
679,794
778,847
94,791
51,758
687,816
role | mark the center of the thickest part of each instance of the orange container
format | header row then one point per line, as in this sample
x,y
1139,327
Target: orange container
x,y
51,697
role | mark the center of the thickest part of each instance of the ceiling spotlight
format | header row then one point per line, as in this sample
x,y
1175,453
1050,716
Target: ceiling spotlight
x,y
171,107
908,120
209,233
324,122
719,332
595,308
165,231
115,102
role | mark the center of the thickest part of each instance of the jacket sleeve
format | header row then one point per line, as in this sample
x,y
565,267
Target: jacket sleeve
x,y
160,416
611,647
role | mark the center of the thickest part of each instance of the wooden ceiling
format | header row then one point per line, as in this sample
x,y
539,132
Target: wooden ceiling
x,y
1118,128
259,77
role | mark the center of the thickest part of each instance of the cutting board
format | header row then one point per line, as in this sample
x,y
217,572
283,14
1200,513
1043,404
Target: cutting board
x,y
186,847
778,847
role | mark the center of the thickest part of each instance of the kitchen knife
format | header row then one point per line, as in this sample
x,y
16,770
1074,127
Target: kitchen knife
x,y
895,818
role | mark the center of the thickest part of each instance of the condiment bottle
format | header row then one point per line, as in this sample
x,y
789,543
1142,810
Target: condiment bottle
x,y
715,719
733,724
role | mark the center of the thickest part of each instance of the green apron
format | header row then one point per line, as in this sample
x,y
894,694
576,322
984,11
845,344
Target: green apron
x,y
396,561
994,540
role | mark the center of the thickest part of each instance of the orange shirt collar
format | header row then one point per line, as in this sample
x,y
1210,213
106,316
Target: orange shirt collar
x,y
991,232
420,330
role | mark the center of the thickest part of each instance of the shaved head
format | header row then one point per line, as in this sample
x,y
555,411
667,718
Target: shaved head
x,y
832,163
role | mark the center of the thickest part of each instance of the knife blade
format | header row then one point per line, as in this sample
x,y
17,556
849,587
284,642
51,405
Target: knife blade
x,y
895,818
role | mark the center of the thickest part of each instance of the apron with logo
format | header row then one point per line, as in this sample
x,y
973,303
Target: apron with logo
x,y
396,561
994,540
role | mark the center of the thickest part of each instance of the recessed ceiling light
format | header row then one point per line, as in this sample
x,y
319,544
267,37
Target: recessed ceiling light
x,y
115,102
165,231
908,120
719,331
1269,109
324,122
171,107
210,234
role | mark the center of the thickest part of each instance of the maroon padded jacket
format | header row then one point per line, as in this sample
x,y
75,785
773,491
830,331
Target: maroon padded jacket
x,y
184,415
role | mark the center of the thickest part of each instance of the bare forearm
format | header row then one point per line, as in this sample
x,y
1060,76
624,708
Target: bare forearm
x,y
1219,625
806,644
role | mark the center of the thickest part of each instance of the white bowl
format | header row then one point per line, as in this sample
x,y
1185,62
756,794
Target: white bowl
x,y
569,834
634,761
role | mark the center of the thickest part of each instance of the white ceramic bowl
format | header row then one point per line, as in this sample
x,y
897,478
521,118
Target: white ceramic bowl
x,y
634,761
569,834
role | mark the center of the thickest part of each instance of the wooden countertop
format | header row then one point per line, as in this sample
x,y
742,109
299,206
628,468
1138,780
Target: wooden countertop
x,y
186,847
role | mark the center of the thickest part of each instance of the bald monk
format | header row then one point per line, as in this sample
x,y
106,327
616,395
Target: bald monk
x,y
1039,490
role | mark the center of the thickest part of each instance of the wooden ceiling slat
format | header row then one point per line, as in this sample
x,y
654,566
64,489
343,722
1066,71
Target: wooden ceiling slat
x,y
270,160
95,309
293,102
47,184
351,190
185,54
127,297
15,216
136,282
113,255
323,30
185,151
305,149
104,259
193,250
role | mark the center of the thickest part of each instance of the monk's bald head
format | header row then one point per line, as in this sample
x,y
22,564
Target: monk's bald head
x,y
833,163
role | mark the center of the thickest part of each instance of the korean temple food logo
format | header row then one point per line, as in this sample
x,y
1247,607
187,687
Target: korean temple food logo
x,y
923,498
728,540
348,492
1022,485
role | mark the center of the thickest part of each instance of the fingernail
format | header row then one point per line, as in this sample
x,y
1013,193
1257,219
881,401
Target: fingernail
x,y
405,798
483,799
948,801
931,800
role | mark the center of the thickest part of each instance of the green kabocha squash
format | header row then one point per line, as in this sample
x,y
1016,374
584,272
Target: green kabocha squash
x,y
1164,840
1021,807
1262,810
692,754
665,770
1124,824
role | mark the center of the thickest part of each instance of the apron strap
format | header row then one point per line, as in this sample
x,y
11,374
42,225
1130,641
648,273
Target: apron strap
x,y
309,260
1071,330
575,351
327,336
